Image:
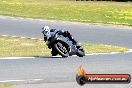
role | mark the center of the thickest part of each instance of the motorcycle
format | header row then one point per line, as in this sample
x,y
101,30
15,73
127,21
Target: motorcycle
x,y
62,45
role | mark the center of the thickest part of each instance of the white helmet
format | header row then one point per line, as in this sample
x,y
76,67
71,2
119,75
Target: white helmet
x,y
45,29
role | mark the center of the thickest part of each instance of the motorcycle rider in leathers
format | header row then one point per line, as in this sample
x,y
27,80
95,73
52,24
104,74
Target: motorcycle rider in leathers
x,y
48,33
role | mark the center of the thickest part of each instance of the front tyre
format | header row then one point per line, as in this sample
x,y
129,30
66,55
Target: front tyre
x,y
61,48
80,52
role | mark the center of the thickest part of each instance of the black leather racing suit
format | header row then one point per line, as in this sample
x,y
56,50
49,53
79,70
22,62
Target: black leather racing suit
x,y
65,33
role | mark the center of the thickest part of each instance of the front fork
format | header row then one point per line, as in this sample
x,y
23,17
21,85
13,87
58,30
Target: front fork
x,y
72,50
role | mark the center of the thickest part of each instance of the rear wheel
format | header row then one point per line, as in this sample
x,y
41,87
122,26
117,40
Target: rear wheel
x,y
53,52
61,48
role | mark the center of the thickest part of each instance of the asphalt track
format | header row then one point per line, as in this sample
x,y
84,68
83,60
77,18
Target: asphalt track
x,y
55,72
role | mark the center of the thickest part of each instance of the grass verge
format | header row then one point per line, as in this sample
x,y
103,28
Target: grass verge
x,y
101,48
89,12
17,47
5,85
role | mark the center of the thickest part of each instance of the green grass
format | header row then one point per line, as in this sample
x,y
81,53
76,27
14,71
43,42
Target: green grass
x,y
88,12
11,47
101,48
5,85
17,47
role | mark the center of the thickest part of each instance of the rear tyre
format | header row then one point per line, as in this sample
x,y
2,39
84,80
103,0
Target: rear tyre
x,y
61,48
53,52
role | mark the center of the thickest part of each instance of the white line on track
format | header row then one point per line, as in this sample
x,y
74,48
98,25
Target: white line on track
x,y
34,38
22,37
4,35
28,80
14,36
17,57
7,81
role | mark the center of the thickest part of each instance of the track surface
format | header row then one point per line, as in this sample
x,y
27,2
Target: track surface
x,y
82,32
60,72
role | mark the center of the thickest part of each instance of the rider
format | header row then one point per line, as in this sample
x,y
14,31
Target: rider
x,y
48,33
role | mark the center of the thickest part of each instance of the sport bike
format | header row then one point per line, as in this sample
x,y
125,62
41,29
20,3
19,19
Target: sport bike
x,y
63,46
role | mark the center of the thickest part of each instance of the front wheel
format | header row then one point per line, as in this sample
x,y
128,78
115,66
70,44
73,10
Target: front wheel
x,y
80,52
61,48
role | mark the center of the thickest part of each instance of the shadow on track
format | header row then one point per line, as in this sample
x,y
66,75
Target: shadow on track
x,y
48,57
